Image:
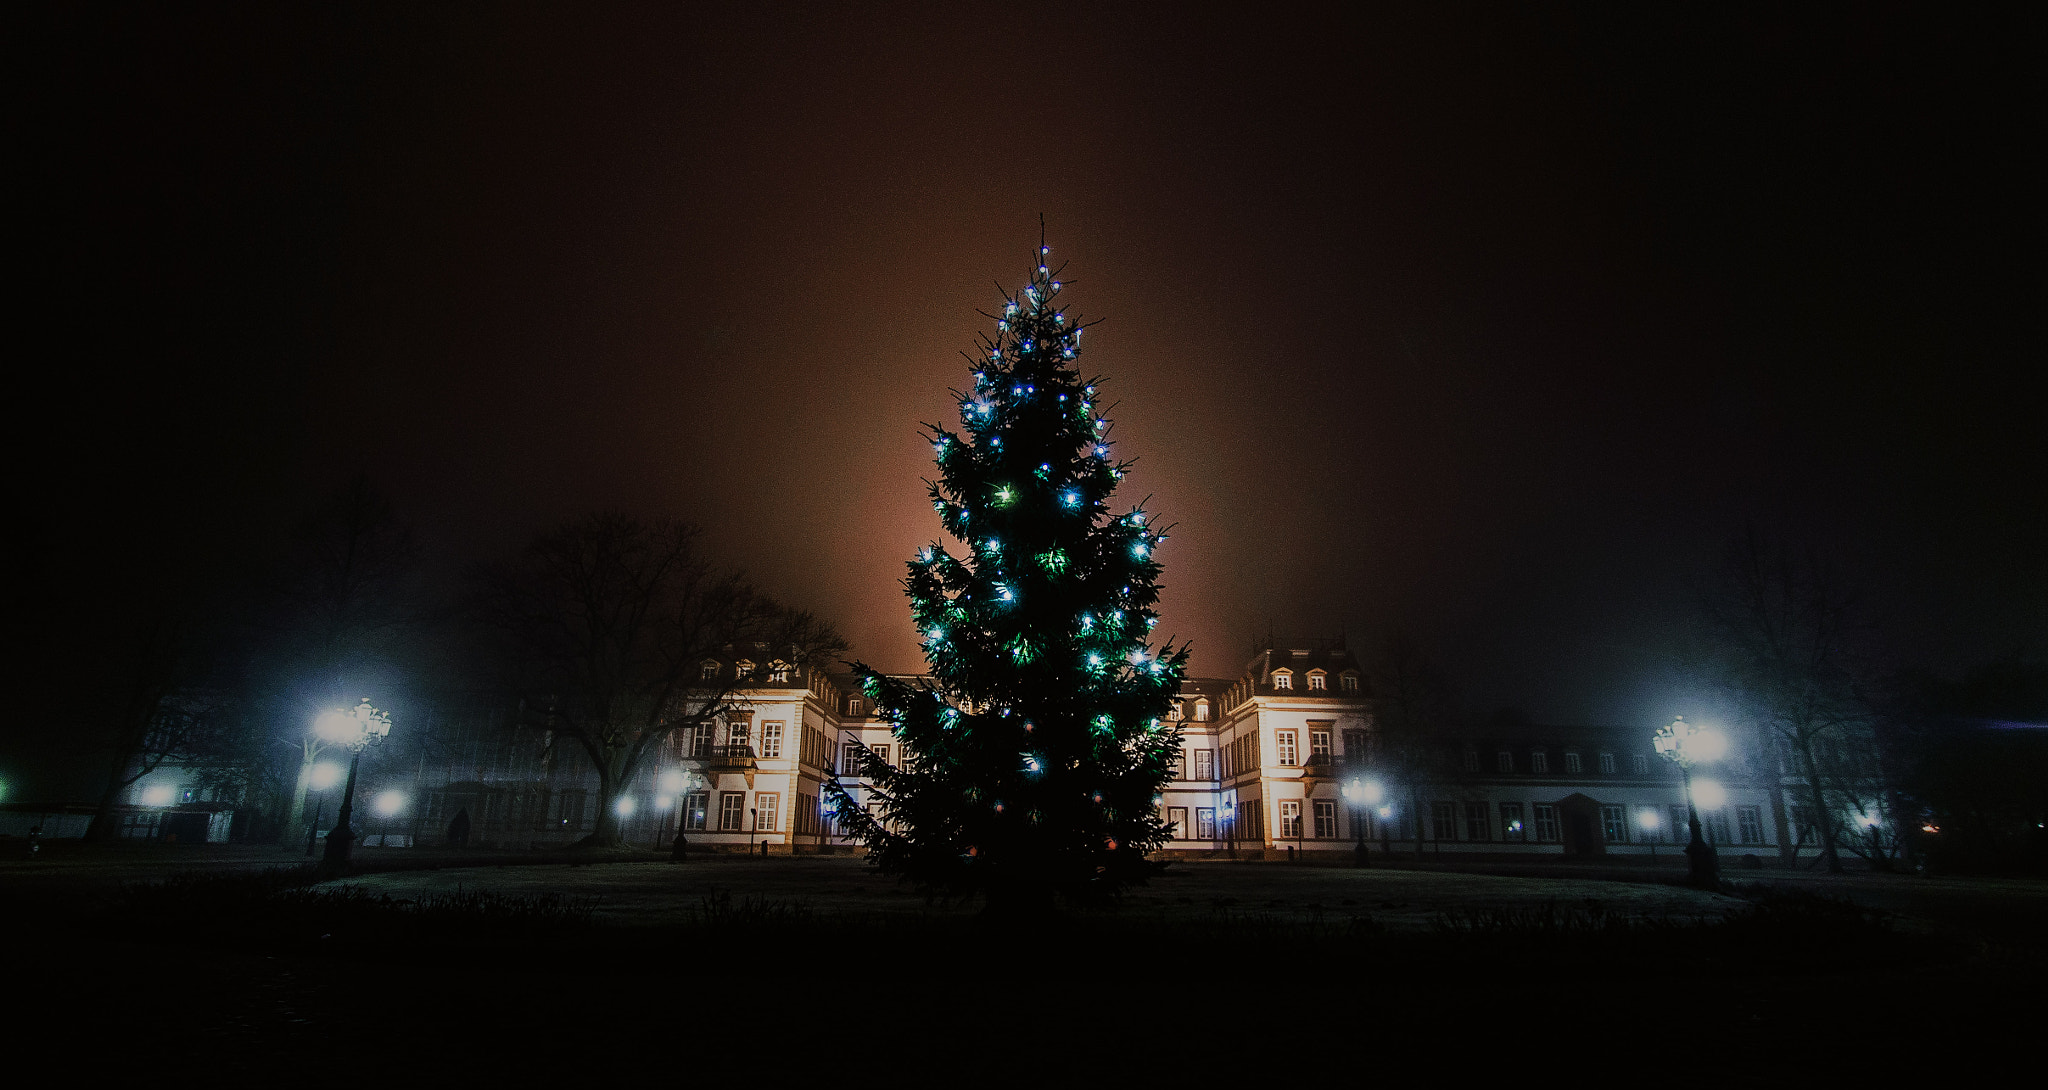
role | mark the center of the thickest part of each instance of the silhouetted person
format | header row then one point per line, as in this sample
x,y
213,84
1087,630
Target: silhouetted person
x,y
680,850
458,830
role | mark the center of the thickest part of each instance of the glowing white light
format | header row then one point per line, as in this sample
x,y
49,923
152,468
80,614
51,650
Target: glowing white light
x,y
1388,811
390,802
1139,550
1095,660
1071,499
158,796
1709,794
323,775
1648,819
1709,745
337,726
663,802
673,781
624,806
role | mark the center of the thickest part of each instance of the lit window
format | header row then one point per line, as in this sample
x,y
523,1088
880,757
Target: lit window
x,y
1205,823
1315,681
736,738
1607,763
742,668
1571,764
1283,742
1174,713
1283,680
778,672
1290,819
1749,824
1201,711
1614,824
1177,816
1477,825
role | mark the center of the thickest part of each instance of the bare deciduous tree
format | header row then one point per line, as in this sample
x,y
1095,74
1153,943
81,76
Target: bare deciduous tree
x,y
1789,648
605,622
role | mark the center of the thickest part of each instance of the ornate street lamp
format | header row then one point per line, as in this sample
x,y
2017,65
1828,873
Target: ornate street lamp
x,y
1685,745
356,729
1362,793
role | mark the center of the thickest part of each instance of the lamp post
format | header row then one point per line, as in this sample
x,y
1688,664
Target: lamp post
x,y
1386,831
1362,793
356,729
1685,745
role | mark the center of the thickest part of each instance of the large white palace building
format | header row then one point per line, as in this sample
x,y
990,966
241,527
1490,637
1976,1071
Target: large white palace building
x,y
1288,757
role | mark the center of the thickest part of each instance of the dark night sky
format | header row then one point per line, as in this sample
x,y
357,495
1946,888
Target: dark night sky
x,y
1493,324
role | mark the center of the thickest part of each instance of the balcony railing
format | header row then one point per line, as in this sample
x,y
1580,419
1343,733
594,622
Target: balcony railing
x,y
728,756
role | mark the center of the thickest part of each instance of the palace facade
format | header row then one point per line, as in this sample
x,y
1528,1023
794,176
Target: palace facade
x,y
1289,757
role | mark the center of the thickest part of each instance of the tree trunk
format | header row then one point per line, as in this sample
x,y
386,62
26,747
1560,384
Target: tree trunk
x,y
606,832
1823,818
295,819
1415,800
104,829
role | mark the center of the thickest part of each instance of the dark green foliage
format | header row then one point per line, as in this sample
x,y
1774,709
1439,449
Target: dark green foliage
x,y
1034,757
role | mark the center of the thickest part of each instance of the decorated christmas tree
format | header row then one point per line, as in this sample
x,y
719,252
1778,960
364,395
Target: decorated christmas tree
x,y
1032,757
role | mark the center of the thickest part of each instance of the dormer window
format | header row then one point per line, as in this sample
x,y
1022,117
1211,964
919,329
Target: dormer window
x,y
708,671
1201,711
742,668
1176,712
856,706
1571,764
1282,679
1348,682
778,672
1317,681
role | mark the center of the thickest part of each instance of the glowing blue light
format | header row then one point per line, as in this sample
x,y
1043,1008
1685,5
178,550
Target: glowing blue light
x,y
1045,249
1101,451
1071,499
1138,550
1006,592
1042,270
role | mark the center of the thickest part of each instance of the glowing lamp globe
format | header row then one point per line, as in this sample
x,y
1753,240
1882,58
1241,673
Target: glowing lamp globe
x,y
158,796
1708,745
390,802
624,806
673,782
1709,794
1648,819
323,776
